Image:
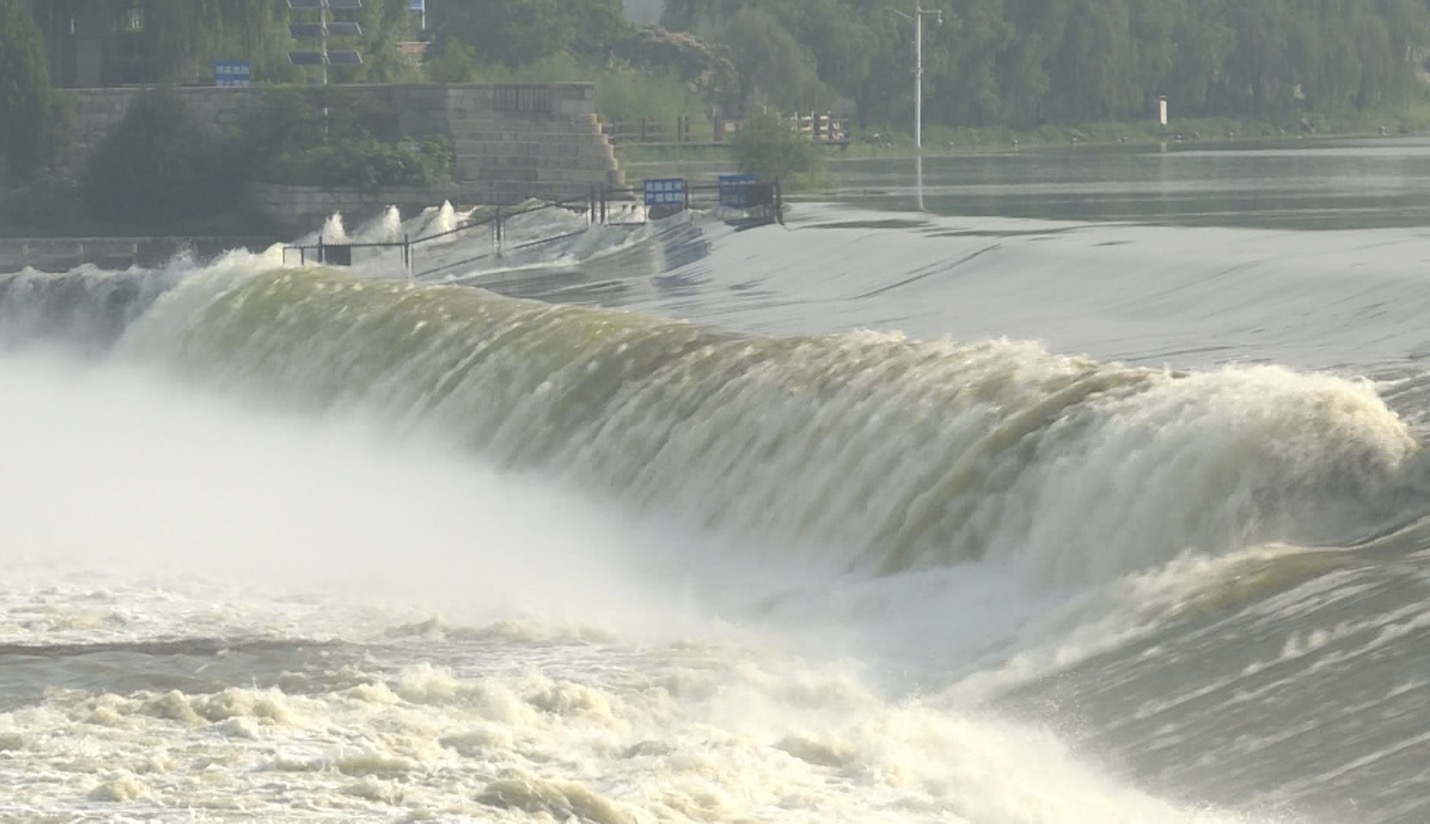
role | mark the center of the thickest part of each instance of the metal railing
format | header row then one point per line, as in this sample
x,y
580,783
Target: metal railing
x,y
820,127
521,98
598,207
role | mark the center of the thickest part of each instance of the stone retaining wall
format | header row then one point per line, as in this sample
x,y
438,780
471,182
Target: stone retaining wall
x,y
302,209
64,254
512,142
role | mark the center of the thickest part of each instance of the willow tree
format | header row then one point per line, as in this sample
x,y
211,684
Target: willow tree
x,y
28,108
516,33
177,39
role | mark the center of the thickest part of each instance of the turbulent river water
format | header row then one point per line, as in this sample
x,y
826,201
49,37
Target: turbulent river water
x,y
1066,486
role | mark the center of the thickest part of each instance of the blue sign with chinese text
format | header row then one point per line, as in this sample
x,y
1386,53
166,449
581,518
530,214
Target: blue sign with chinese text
x,y
735,190
665,191
233,73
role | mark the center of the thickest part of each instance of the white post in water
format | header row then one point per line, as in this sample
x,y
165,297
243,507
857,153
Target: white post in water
x,y
918,20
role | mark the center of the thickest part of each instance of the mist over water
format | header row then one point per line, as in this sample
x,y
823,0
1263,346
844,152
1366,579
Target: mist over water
x,y
678,523
275,540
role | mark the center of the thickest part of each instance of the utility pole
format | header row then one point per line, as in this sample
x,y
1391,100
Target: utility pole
x,y
323,41
918,21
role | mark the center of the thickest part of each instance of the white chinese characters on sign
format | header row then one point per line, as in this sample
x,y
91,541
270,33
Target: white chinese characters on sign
x,y
233,73
665,192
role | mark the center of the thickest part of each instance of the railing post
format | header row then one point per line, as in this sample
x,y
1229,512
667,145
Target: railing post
x,y
496,232
407,252
322,258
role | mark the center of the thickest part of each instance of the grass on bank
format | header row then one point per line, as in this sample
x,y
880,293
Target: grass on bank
x,y
868,143
1405,118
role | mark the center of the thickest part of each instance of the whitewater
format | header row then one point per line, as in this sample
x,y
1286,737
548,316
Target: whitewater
x,y
1058,487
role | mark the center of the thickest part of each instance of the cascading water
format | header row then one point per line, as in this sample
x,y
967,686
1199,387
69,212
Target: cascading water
x,y
761,525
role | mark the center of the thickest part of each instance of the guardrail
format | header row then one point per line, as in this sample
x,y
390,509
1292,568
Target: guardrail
x,y
820,127
762,202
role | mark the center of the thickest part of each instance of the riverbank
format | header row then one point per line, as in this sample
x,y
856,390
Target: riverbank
x,y
1405,119
55,212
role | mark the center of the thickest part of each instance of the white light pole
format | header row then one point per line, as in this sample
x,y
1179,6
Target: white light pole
x,y
918,21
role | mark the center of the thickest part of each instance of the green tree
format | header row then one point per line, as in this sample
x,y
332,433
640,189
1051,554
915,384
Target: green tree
x,y
769,146
159,164
29,111
962,84
178,40
385,24
1258,59
773,67
843,44
517,33
1408,24
1203,42
452,62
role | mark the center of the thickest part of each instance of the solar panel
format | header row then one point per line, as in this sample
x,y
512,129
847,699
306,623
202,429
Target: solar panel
x,y
305,58
344,30
305,4
344,5
305,31
344,58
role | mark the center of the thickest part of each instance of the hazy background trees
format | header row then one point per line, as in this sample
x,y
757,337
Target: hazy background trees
x,y
992,63
1026,62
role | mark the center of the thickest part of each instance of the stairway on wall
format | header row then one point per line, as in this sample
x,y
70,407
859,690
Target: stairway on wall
x,y
513,156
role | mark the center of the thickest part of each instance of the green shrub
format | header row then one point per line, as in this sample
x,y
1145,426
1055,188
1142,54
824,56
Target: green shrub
x,y
366,164
45,198
287,138
769,146
453,62
624,93
285,118
160,164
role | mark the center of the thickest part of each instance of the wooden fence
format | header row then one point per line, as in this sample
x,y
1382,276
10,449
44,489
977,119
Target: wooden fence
x,y
821,127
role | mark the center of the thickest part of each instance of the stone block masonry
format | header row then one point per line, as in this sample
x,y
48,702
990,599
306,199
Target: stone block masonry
x,y
512,142
530,141
304,208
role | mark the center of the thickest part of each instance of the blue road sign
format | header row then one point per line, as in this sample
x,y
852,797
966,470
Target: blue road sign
x,y
418,5
233,73
665,191
735,190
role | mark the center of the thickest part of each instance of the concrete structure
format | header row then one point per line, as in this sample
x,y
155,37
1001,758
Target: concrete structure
x,y
512,142
61,254
304,208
